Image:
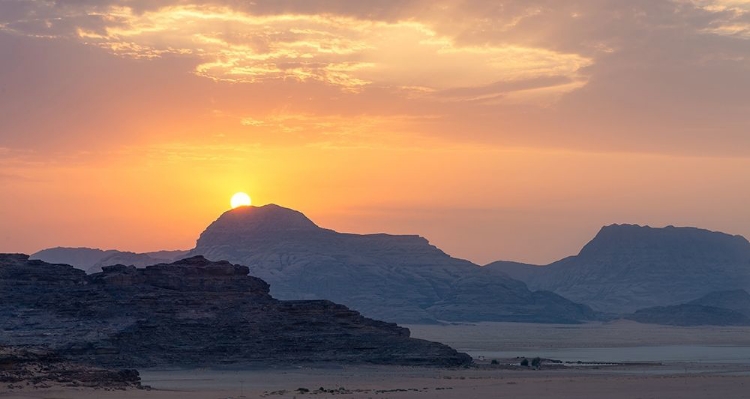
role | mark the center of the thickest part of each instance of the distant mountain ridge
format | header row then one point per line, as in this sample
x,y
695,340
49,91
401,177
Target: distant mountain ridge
x,y
736,300
721,308
91,260
630,267
625,268
389,277
687,315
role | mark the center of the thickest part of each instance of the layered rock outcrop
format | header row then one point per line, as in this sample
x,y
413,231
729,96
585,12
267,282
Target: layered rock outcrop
x,y
21,368
190,313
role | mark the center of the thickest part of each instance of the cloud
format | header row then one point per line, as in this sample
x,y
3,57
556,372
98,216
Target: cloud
x,y
732,17
637,75
722,5
342,132
15,165
232,45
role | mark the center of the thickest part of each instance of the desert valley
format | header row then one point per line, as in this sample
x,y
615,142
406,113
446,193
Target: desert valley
x,y
197,322
456,199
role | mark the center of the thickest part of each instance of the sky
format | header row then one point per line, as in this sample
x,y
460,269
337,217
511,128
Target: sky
x,y
506,130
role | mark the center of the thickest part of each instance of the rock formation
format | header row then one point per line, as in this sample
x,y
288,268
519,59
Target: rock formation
x,y
21,368
92,260
189,313
627,267
394,278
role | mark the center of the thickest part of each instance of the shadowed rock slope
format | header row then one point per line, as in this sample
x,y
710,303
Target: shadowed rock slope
x,y
189,313
394,278
628,267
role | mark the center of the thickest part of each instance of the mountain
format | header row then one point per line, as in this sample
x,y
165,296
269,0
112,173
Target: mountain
x,y
516,270
722,308
737,300
92,260
82,258
388,277
630,267
190,313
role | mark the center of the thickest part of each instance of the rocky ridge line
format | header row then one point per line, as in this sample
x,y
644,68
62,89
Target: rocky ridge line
x,y
190,313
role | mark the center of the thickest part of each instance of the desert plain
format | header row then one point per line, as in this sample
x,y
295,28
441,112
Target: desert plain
x,y
697,373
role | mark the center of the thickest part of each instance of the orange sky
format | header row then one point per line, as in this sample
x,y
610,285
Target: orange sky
x,y
498,130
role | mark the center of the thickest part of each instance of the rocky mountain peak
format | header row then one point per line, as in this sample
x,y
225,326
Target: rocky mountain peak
x,y
249,221
391,277
630,267
626,239
267,217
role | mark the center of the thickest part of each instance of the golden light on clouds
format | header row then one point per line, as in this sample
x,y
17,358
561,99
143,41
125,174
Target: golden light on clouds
x,y
735,22
349,53
723,5
337,131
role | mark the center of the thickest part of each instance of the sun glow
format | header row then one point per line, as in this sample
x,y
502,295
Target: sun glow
x,y
240,199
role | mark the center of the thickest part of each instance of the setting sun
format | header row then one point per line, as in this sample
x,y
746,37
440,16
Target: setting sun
x,y
240,199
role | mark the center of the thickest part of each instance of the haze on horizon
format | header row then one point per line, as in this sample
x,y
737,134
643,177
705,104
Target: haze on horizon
x,y
498,130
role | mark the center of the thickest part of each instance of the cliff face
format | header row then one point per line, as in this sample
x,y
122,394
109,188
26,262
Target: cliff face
x,y
189,313
627,267
395,278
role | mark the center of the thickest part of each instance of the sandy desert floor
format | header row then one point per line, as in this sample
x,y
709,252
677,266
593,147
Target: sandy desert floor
x,y
726,381
695,378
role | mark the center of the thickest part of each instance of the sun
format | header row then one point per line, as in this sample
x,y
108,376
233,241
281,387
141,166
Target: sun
x,y
240,199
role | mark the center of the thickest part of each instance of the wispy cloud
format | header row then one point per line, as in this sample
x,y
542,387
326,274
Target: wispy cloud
x,y
241,47
650,75
733,17
194,152
343,132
